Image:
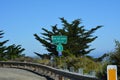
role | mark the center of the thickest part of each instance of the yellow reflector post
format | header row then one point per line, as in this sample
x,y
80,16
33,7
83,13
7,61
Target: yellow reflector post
x,y
111,72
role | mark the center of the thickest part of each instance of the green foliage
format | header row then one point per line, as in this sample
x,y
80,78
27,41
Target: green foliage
x,y
9,52
43,61
62,62
14,51
24,58
114,59
43,56
78,38
78,62
3,48
102,74
101,58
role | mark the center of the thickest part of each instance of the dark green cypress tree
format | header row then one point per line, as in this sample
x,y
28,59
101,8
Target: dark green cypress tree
x,y
9,52
78,38
46,40
14,51
3,48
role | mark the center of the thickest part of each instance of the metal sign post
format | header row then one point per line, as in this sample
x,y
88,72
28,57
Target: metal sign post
x,y
59,53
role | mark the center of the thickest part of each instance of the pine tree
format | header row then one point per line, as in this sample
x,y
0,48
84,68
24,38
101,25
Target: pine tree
x,y
3,48
78,38
14,51
9,52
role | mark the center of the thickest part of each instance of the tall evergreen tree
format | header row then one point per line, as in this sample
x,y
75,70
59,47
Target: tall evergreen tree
x,y
78,38
14,51
3,48
9,52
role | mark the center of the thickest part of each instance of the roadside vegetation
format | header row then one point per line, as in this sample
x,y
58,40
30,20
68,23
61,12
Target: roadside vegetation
x,y
113,58
10,52
75,54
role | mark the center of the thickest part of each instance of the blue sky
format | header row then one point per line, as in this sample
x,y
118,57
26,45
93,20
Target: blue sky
x,y
20,19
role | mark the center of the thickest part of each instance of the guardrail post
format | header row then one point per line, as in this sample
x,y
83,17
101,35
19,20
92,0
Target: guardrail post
x,y
56,77
25,65
71,69
40,70
80,71
92,73
10,65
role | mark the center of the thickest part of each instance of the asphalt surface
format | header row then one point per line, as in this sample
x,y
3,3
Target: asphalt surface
x,y
18,74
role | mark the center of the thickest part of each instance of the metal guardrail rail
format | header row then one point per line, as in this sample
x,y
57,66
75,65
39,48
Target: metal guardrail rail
x,y
56,74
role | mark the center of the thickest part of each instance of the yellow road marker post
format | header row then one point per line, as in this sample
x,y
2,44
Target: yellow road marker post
x,y
111,72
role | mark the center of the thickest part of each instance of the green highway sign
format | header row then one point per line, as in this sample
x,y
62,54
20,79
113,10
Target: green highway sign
x,y
59,47
59,39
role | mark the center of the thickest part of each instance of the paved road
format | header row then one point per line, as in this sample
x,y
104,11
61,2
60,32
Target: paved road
x,y
18,74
